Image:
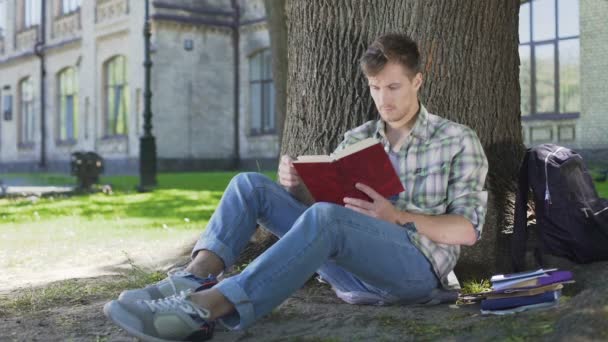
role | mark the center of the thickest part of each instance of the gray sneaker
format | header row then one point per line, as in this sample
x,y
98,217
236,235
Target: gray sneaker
x,y
174,318
175,283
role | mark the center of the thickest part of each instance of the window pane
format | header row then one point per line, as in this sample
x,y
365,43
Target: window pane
x,y
524,23
266,105
568,18
110,123
69,117
543,19
525,80
2,17
110,73
75,116
121,70
255,67
124,110
569,79
256,106
272,121
545,78
267,65
62,117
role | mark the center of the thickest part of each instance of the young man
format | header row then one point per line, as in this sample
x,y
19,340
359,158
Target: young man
x,y
371,252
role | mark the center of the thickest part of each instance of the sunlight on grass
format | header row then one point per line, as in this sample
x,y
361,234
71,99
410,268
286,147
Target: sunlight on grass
x,y
475,286
53,238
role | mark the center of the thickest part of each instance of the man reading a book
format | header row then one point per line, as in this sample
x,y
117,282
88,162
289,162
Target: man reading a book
x,y
375,251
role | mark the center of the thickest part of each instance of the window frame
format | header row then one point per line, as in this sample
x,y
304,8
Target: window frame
x,y
3,18
73,6
264,83
23,139
556,114
30,17
124,95
62,116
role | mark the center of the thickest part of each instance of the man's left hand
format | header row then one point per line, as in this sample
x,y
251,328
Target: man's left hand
x,y
380,207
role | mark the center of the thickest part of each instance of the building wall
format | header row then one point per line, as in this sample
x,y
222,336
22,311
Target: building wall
x,y
193,92
193,89
593,127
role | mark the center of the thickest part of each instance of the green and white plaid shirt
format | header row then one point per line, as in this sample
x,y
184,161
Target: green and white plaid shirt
x,y
443,168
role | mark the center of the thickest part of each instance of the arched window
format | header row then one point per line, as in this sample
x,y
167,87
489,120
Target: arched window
x,y
116,96
261,93
26,111
549,52
67,105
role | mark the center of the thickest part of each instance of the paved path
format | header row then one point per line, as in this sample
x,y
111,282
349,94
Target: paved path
x,y
20,187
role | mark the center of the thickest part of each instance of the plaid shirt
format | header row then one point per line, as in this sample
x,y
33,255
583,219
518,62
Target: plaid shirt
x,y
443,168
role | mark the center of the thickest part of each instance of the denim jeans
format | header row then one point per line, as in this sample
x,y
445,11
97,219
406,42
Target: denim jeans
x,y
366,260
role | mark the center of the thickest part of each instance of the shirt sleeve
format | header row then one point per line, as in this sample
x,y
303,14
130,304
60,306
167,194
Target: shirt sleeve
x,y
465,194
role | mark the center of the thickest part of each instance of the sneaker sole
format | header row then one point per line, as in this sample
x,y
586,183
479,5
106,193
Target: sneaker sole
x,y
113,310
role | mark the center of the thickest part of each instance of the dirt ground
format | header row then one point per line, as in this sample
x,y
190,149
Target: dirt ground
x,y
315,314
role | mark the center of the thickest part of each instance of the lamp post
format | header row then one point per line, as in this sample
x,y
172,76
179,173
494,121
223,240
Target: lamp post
x,y
147,143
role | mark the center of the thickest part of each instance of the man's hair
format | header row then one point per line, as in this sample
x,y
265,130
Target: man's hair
x,y
392,47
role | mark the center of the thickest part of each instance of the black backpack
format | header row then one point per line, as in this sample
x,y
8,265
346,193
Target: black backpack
x,y
571,219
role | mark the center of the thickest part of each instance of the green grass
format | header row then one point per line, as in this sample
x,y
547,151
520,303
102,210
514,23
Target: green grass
x,y
602,188
211,181
59,237
475,286
76,291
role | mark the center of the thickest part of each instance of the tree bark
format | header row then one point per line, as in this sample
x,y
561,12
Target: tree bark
x,y
277,27
470,56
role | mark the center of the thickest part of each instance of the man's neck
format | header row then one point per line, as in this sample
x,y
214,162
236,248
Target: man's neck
x,y
397,132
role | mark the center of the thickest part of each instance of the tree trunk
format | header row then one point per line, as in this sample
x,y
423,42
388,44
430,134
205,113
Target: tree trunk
x,y
469,50
277,27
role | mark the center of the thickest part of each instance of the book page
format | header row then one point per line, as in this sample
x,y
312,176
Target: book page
x,y
356,147
314,159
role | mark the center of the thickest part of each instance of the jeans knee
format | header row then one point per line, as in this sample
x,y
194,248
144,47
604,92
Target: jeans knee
x,y
324,213
250,179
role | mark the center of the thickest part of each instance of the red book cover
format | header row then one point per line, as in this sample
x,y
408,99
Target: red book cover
x,y
331,178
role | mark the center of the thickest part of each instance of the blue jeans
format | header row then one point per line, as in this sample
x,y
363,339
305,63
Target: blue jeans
x,y
366,260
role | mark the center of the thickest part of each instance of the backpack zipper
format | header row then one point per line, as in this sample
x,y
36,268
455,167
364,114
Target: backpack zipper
x,y
547,193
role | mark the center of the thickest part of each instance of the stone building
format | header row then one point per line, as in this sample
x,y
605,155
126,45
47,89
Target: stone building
x,y
564,74
213,98
210,109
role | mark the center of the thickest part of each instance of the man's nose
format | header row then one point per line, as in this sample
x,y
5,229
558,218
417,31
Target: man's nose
x,y
385,97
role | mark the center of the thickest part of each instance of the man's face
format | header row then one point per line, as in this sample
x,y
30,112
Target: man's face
x,y
395,94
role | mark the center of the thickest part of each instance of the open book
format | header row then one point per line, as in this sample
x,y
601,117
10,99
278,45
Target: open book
x,y
331,178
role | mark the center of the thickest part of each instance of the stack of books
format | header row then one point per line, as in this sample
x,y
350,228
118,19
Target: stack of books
x,y
523,291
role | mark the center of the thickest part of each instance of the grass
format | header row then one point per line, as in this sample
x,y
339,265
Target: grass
x,y
53,238
76,291
475,286
602,188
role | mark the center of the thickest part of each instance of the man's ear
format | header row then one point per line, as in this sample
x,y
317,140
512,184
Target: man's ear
x,y
417,82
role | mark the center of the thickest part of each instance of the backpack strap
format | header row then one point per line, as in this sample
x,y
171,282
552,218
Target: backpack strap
x,y
520,235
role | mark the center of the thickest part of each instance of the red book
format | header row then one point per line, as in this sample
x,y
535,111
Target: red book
x,y
331,178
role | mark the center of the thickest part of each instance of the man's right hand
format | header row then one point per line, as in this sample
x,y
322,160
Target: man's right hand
x,y
288,176
291,181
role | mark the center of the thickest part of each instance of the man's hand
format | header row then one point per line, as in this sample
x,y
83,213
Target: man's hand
x,y
288,176
380,207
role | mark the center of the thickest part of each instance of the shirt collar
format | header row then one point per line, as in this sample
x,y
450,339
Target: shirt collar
x,y
420,129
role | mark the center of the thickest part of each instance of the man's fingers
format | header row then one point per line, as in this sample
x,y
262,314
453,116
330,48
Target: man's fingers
x,y
359,210
358,203
368,191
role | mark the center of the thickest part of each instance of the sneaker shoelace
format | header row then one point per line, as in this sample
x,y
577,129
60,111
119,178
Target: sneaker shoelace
x,y
177,302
